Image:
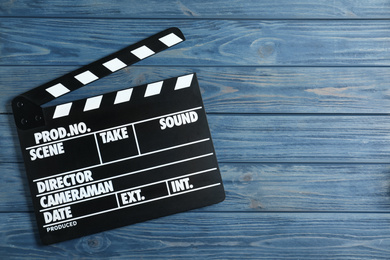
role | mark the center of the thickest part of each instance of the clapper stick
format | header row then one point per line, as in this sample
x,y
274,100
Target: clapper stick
x,y
26,107
118,158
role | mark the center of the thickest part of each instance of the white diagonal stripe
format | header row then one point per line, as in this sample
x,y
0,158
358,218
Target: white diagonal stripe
x,y
170,39
62,110
184,81
86,77
93,103
114,64
57,90
123,96
142,52
153,89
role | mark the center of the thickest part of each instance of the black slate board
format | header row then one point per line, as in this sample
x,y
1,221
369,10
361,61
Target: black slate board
x,y
118,158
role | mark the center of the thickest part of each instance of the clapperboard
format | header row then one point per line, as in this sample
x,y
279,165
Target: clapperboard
x,y
118,158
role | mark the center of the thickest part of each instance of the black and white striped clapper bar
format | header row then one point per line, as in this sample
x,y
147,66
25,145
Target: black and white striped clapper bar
x,y
119,158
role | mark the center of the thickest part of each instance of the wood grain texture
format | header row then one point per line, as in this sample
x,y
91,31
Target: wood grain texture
x,y
317,138
234,89
275,138
252,9
214,236
210,42
252,187
297,99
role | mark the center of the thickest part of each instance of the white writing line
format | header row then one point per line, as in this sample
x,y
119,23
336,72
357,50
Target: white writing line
x,y
98,149
136,140
117,201
132,188
172,195
115,127
123,159
166,184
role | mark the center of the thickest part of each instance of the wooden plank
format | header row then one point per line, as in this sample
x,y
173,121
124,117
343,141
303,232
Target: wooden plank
x,y
316,138
214,235
234,89
276,138
209,42
252,9
262,187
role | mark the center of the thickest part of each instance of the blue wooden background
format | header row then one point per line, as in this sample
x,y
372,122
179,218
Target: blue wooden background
x,y
298,100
